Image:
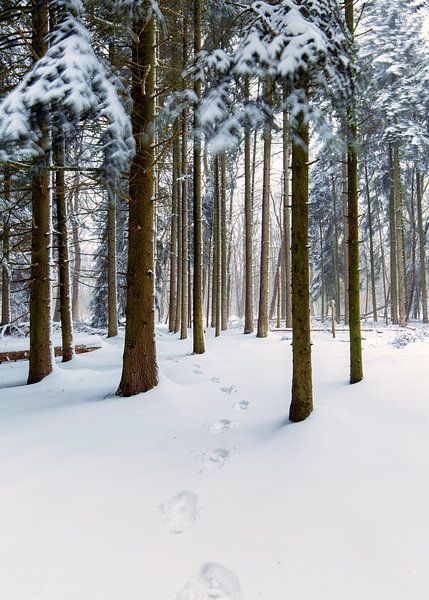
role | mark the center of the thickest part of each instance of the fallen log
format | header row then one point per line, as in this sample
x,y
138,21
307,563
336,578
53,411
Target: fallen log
x,y
15,355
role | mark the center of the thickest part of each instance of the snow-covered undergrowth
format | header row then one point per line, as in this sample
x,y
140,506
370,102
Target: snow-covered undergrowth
x,y
202,490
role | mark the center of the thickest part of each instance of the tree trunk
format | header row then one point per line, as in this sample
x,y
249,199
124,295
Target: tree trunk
x,y
322,272
356,367
41,349
77,263
302,392
422,246
217,287
63,251
336,257
248,225
172,314
5,290
198,325
224,246
371,247
265,234
286,224
140,372
400,247
185,197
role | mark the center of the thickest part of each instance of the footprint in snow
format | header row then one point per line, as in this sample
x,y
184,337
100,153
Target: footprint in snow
x,y
212,582
241,405
214,379
221,426
215,459
232,389
197,372
181,511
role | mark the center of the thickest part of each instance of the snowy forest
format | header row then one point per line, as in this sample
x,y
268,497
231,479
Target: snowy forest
x,y
214,329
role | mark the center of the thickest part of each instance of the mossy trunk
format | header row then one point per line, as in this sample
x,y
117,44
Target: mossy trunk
x,y
140,372
302,389
41,350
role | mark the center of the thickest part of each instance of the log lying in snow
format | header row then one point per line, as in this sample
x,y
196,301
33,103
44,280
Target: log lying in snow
x,y
15,355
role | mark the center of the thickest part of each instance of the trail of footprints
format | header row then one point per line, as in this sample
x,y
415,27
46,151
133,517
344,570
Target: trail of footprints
x,y
185,508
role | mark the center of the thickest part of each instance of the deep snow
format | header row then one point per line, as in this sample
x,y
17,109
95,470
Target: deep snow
x,y
202,490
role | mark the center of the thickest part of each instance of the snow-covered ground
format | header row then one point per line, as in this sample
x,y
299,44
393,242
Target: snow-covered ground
x,y
202,490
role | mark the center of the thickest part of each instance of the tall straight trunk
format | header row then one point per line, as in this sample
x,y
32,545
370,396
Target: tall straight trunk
x,y
273,302
248,226
5,290
140,371
215,244
217,287
112,283
209,279
383,265
322,272
224,246
302,387
265,233
393,251
422,245
198,325
41,350
185,199
286,224
77,263
179,251
356,367
63,250
371,246
345,238
336,257
172,313
400,246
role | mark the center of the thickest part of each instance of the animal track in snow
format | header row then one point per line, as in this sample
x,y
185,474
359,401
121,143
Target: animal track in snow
x,y
232,389
197,372
214,379
212,582
221,426
181,511
241,405
215,459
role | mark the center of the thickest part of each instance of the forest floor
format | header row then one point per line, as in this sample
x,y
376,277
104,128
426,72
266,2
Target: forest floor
x,y
201,489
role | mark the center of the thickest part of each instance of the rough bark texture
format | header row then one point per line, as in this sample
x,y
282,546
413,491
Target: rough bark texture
x,y
197,305
140,373
63,252
302,389
41,352
356,367
265,234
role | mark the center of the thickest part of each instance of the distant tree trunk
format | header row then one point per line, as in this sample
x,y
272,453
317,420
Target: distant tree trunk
x,y
185,196
179,248
5,290
217,287
356,367
63,251
224,247
400,246
172,314
345,239
41,349
422,245
383,266
302,392
248,225
198,325
322,272
265,234
140,372
77,263
286,224
393,245
336,257
371,246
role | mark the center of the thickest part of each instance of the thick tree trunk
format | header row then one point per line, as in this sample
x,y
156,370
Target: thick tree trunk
x,y
422,246
63,252
41,349
140,372
5,290
302,388
198,325
265,233
356,367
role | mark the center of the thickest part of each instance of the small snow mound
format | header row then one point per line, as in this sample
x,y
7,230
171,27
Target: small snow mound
x,y
221,426
181,511
213,582
404,338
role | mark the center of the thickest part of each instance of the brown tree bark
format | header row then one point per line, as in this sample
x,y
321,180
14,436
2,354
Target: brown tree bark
x,y
286,225
248,228
5,290
140,372
422,245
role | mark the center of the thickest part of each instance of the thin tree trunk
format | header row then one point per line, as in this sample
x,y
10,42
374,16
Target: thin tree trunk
x,y
63,251
5,293
217,288
371,247
184,220
422,246
322,272
224,248
356,367
140,372
198,325
286,224
302,388
336,257
265,234
41,349
400,249
77,263
172,313
393,244
248,225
